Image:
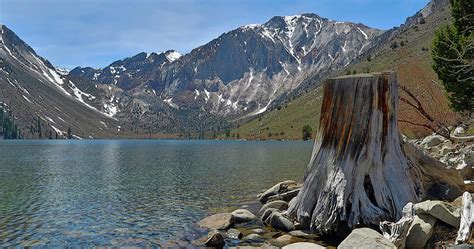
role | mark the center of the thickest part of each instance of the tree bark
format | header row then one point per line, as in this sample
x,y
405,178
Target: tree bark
x,y
358,173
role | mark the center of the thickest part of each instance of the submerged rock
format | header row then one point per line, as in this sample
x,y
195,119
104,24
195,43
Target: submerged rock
x,y
440,210
420,231
279,205
242,215
302,234
217,221
365,238
234,234
280,222
215,239
252,237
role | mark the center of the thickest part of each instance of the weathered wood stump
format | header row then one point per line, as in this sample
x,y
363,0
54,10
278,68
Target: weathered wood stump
x,y
359,173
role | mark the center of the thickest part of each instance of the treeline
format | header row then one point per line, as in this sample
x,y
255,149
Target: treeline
x,y
8,128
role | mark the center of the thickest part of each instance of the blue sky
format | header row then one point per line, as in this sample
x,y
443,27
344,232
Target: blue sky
x,y
97,32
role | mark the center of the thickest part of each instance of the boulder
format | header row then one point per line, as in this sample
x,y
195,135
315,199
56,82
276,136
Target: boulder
x,y
215,239
279,205
242,215
217,221
420,231
442,211
432,140
233,234
287,196
303,245
279,188
365,238
280,222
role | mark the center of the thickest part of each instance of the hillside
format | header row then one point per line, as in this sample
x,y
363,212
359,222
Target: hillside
x,y
409,58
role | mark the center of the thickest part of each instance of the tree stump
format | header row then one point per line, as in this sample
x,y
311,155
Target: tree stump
x,y
359,173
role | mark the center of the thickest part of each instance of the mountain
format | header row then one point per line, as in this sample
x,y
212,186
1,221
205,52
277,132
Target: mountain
x,y
242,72
232,79
404,49
41,99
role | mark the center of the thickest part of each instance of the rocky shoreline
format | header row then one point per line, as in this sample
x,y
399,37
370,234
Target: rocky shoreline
x,y
433,224
428,224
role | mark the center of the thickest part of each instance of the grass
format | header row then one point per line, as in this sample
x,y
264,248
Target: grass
x,y
285,122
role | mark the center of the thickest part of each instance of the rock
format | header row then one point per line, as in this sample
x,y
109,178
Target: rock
x,y
278,221
266,215
252,237
420,231
279,188
302,234
280,205
303,245
242,215
215,239
446,149
217,221
433,140
459,130
285,240
442,211
397,232
233,234
264,246
287,196
365,238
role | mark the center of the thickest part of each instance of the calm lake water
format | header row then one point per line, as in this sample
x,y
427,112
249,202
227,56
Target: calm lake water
x,y
131,192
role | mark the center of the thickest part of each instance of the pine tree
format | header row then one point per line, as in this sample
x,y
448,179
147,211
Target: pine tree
x,y
453,55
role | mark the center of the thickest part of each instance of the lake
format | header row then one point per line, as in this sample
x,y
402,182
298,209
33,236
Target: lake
x,y
132,192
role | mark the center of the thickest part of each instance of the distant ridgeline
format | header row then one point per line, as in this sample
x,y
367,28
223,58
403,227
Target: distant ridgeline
x,y
8,128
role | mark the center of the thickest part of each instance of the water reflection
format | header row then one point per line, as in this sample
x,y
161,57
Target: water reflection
x,y
131,193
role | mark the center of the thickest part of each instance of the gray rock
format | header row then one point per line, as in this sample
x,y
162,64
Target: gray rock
x,y
215,239
420,231
442,211
279,205
279,188
287,196
217,221
303,245
233,234
252,237
242,215
433,140
280,222
266,215
285,240
365,238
